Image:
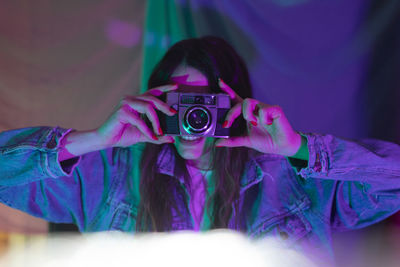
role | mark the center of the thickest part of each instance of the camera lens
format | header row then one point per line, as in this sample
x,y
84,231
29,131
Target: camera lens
x,y
197,119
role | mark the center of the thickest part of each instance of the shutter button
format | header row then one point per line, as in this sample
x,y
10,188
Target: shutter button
x,y
283,235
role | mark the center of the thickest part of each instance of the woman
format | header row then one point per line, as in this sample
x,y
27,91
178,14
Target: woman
x,y
267,180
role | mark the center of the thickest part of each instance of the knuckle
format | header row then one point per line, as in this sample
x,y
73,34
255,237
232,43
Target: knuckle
x,y
129,109
124,101
127,103
123,109
126,118
130,116
147,98
148,106
277,108
249,100
127,98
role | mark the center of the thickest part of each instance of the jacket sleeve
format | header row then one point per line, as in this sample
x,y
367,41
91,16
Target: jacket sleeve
x,y
352,183
32,179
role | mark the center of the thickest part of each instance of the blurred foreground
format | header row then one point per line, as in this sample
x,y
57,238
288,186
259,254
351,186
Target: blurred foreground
x,y
215,248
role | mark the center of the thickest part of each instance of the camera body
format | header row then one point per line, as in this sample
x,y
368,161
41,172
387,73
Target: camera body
x,y
198,114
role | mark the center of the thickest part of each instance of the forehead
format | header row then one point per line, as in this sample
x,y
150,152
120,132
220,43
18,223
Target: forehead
x,y
186,75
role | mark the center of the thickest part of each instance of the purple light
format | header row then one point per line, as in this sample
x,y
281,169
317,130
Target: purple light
x,y
125,34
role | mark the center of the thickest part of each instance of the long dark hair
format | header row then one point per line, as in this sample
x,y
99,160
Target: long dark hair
x,y
160,193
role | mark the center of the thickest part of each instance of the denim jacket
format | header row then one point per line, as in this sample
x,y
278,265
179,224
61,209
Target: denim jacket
x,y
345,185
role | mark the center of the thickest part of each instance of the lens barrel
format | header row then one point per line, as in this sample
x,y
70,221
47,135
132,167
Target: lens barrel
x,y
197,119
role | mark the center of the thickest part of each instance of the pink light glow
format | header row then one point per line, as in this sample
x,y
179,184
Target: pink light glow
x,y
123,33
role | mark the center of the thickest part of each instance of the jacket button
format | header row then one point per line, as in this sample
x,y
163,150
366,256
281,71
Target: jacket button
x,y
283,235
51,144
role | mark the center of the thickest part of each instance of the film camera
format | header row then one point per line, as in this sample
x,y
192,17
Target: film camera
x,y
198,114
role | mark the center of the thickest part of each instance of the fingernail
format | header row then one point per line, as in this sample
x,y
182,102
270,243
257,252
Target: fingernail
x,y
160,131
224,124
269,123
154,137
173,110
254,123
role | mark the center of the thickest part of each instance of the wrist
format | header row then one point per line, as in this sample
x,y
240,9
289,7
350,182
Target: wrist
x,y
302,152
77,143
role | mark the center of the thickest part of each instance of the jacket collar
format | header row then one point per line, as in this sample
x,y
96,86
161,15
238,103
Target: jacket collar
x,y
166,165
166,161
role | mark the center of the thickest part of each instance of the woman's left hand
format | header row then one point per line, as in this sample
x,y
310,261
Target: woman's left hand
x,y
268,129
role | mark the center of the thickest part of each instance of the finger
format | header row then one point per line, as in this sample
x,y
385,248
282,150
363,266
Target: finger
x,y
161,140
233,142
269,114
248,108
157,91
153,118
232,94
166,139
232,114
130,116
159,104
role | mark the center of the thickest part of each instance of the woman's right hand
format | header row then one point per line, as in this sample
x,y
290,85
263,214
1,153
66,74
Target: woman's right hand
x,y
126,126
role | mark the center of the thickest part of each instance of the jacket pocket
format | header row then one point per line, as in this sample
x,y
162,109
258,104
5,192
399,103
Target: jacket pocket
x,y
119,216
123,218
289,228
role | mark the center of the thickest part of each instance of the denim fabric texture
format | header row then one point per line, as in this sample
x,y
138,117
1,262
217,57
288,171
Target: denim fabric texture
x,y
346,185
